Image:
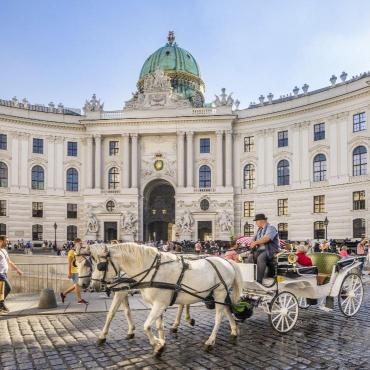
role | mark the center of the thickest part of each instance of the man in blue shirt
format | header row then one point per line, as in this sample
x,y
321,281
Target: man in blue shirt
x,y
264,246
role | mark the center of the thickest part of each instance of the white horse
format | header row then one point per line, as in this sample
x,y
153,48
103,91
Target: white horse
x,y
148,265
85,268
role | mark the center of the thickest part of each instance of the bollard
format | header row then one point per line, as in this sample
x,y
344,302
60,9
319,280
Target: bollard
x,y
47,299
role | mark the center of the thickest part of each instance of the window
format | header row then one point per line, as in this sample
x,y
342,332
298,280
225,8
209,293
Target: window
x,y
319,131
113,148
72,149
38,146
359,161
248,229
204,177
249,176
205,145
3,142
2,207
319,230
72,179
319,204
3,175
282,138
358,200
37,209
37,232
282,207
359,122
71,232
113,178
37,176
283,231
283,172
110,206
3,229
319,167
71,210
248,144
248,209
359,228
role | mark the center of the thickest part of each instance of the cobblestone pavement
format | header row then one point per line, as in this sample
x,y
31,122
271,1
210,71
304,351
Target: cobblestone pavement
x,y
320,340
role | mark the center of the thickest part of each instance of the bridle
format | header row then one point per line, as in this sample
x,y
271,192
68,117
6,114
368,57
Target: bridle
x,y
87,258
103,266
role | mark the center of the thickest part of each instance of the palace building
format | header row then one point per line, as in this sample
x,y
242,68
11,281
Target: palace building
x,y
168,165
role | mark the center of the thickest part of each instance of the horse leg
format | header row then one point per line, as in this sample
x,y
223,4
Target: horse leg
x,y
218,318
117,299
176,323
160,327
187,315
127,312
233,326
157,343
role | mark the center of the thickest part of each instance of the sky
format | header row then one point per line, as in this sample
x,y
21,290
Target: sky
x,y
66,50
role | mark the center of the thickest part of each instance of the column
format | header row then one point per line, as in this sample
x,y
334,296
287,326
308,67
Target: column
x,y
125,161
134,161
180,159
190,160
23,160
260,148
228,160
236,161
295,164
14,164
97,138
59,166
89,162
333,155
305,165
343,144
269,159
51,159
219,169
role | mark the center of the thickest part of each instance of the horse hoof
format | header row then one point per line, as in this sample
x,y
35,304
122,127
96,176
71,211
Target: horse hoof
x,y
130,336
192,322
208,347
158,352
101,341
174,330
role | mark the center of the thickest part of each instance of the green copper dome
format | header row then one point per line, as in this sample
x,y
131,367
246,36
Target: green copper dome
x,y
180,66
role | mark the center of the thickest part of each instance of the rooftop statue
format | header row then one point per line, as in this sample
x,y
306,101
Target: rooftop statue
x,y
93,105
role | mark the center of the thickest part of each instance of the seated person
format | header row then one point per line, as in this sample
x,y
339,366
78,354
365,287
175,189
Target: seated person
x,y
231,254
303,259
344,252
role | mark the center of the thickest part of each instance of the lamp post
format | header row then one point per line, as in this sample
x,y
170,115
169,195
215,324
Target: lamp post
x,y
326,223
55,235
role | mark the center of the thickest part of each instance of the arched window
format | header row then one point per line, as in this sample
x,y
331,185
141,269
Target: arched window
x,y
3,229
37,232
3,175
113,178
319,230
38,178
359,161
249,176
359,228
72,179
248,229
71,232
204,177
319,167
283,231
283,172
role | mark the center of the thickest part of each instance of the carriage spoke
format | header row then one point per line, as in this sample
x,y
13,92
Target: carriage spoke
x,y
276,317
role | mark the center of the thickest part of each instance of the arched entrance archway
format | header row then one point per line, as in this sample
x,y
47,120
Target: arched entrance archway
x,y
159,210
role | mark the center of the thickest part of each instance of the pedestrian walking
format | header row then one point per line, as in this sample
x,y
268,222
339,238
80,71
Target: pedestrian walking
x,y
73,274
5,262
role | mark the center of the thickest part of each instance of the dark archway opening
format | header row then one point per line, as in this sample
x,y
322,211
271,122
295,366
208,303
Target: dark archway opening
x,y
159,211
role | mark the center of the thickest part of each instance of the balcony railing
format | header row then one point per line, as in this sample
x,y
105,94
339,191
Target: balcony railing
x,y
204,190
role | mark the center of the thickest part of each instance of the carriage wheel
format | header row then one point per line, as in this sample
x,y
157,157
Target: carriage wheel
x,y
350,295
302,303
283,312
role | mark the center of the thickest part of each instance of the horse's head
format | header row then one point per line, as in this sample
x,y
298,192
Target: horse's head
x,y
104,271
84,266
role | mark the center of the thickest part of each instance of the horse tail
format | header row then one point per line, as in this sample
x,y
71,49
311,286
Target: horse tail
x,y
237,287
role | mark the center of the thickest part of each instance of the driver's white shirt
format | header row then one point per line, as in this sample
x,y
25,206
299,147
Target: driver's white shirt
x,y
3,261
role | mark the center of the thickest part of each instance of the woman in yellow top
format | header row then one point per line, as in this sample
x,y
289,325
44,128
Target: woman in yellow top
x,y
73,274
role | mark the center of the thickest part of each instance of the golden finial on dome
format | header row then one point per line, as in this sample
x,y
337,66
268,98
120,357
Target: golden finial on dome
x,y
171,37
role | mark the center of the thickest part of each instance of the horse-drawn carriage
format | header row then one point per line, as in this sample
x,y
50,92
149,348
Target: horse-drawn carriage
x,y
292,287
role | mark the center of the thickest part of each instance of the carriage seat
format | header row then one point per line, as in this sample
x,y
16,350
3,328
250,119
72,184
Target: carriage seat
x,y
324,263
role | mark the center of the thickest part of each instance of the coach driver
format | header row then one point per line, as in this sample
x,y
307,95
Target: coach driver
x,y
264,245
